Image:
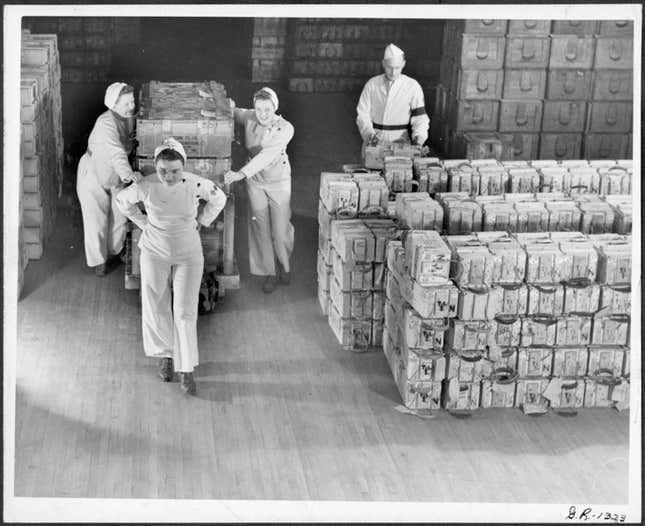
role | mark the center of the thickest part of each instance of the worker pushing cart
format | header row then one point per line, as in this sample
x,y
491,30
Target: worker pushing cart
x,y
102,171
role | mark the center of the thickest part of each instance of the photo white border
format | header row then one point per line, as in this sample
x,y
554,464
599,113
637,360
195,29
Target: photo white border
x,y
147,510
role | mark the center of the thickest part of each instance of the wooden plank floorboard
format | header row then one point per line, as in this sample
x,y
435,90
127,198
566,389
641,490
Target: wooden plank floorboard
x,y
282,412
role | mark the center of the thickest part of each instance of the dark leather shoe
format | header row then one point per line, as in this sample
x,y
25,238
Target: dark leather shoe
x,y
188,383
165,369
269,284
284,277
99,270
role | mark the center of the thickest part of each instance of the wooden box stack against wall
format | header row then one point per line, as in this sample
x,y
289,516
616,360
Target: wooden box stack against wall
x,y
268,52
535,89
609,131
86,43
41,139
198,115
336,55
471,81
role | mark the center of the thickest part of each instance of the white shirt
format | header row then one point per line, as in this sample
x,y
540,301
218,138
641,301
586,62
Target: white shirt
x,y
170,226
107,143
397,103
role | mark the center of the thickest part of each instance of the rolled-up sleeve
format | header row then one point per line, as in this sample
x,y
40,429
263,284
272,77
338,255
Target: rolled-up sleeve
x,y
126,201
363,112
215,201
272,147
419,119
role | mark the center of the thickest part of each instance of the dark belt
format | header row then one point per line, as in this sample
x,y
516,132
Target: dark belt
x,y
390,126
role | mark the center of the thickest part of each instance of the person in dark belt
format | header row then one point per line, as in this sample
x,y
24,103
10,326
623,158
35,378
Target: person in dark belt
x,y
391,106
102,171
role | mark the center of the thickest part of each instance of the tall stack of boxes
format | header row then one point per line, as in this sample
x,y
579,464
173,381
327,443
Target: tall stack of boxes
x,y
420,301
609,132
268,52
471,80
535,89
198,115
351,256
41,139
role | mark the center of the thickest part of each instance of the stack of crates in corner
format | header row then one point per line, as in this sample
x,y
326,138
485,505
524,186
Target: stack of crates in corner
x,y
353,231
199,115
609,131
420,299
41,143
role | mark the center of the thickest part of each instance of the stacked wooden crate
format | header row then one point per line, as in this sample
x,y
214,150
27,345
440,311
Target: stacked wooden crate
x,y
609,131
42,141
86,43
471,80
198,115
268,52
336,55
535,89
532,321
351,256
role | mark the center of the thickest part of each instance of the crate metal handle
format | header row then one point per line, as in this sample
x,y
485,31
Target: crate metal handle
x,y
505,375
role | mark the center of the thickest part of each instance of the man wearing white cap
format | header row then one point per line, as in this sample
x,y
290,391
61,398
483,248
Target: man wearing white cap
x,y
172,260
101,172
392,103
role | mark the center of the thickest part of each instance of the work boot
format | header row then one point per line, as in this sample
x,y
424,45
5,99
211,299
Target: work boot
x,y
165,369
269,284
99,270
188,383
285,277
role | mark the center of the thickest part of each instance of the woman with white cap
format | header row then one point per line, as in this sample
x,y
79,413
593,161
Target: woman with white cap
x,y
101,172
172,261
392,106
268,180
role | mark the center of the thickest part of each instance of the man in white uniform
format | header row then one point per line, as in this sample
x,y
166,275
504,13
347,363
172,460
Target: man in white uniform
x,y
172,261
101,172
391,104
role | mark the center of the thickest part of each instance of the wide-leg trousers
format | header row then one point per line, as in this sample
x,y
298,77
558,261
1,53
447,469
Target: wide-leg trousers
x,y
104,226
169,298
271,234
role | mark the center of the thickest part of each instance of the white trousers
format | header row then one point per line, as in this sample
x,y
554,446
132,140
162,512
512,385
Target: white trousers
x,y
104,226
271,234
169,297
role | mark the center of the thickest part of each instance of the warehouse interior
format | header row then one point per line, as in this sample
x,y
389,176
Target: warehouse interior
x,y
282,411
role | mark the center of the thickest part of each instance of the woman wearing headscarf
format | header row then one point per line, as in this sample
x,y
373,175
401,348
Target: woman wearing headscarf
x,y
102,170
172,261
268,180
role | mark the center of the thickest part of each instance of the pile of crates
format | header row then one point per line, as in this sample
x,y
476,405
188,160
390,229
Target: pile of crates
x,y
267,53
493,319
86,43
593,197
535,89
334,55
353,232
41,141
198,115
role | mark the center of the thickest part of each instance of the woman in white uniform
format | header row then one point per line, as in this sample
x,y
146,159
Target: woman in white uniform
x,y
101,172
172,261
268,180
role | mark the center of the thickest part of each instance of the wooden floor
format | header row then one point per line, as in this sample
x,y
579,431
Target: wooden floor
x,y
281,412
